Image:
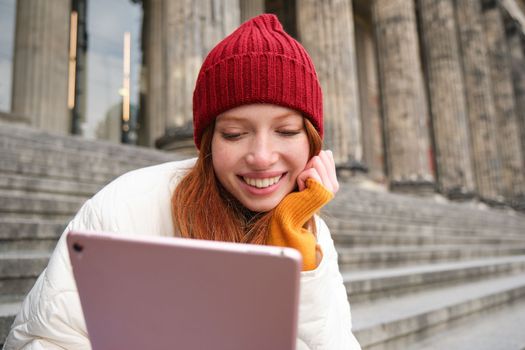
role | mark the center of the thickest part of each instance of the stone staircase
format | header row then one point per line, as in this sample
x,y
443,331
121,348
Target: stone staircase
x,y
421,273
44,179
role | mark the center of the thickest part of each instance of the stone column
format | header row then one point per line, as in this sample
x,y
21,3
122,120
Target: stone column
x,y
153,91
369,100
516,40
480,103
183,33
250,9
404,107
326,30
40,70
447,100
513,181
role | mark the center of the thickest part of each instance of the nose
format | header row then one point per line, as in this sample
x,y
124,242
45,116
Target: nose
x,y
261,153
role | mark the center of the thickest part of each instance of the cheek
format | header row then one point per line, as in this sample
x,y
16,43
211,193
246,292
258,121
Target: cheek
x,y
302,154
222,159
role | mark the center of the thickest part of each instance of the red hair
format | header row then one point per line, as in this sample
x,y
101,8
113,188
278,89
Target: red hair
x,y
203,209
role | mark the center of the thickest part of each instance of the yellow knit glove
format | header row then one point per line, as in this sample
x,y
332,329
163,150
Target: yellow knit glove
x,y
289,217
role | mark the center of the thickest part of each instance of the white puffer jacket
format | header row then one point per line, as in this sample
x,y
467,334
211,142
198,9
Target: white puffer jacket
x,y
139,203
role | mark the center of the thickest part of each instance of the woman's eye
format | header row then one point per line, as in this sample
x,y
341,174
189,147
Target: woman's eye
x,y
231,135
289,132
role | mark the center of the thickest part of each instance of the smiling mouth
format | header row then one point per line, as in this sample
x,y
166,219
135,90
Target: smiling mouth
x,y
262,183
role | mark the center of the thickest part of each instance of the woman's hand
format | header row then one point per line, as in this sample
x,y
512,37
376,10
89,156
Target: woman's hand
x,y
322,169
317,186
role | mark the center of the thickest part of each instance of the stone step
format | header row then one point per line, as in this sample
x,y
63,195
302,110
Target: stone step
x,y
29,234
69,157
345,202
17,286
19,270
373,284
356,194
380,321
370,225
20,228
500,327
9,306
66,159
20,264
387,256
41,204
63,218
22,137
28,245
416,219
366,239
46,185
87,173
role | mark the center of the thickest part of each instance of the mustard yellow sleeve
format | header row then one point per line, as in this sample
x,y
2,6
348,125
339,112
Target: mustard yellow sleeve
x,y
289,217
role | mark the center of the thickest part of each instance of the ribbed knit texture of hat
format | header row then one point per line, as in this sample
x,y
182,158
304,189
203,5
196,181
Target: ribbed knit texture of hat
x,y
258,63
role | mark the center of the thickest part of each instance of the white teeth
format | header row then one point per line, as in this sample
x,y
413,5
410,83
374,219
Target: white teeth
x,y
262,183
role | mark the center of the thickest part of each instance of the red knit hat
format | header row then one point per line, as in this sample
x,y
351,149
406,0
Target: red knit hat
x,y
258,63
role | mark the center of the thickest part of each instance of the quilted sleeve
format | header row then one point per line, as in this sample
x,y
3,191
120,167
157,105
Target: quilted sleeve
x,y
325,321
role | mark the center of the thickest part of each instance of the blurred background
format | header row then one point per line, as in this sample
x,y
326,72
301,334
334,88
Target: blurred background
x,y
424,104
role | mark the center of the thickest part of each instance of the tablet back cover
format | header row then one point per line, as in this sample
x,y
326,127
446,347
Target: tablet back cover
x,y
174,293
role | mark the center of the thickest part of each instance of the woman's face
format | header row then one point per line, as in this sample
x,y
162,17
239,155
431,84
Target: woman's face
x,y
257,151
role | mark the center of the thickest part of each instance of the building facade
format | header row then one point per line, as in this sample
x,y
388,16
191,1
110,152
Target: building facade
x,y
424,95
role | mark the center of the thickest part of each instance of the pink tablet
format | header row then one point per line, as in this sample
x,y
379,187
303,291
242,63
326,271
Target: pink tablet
x,y
174,293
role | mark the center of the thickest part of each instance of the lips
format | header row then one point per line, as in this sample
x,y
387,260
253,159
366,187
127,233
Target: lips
x,y
262,182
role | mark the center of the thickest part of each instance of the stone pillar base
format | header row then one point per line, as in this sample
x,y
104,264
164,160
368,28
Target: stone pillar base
x,y
419,187
517,203
14,118
458,194
351,169
178,140
494,202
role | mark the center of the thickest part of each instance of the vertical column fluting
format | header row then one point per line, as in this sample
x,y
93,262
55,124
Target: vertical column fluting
x,y
326,30
369,97
153,109
194,28
182,33
480,103
404,107
446,96
250,8
516,40
40,70
513,180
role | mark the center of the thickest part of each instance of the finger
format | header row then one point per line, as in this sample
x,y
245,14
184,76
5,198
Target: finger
x,y
327,158
321,170
309,164
330,163
305,175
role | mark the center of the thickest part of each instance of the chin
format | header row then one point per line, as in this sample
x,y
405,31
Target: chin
x,y
261,207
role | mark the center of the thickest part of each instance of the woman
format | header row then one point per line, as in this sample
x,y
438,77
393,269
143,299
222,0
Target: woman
x,y
259,178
